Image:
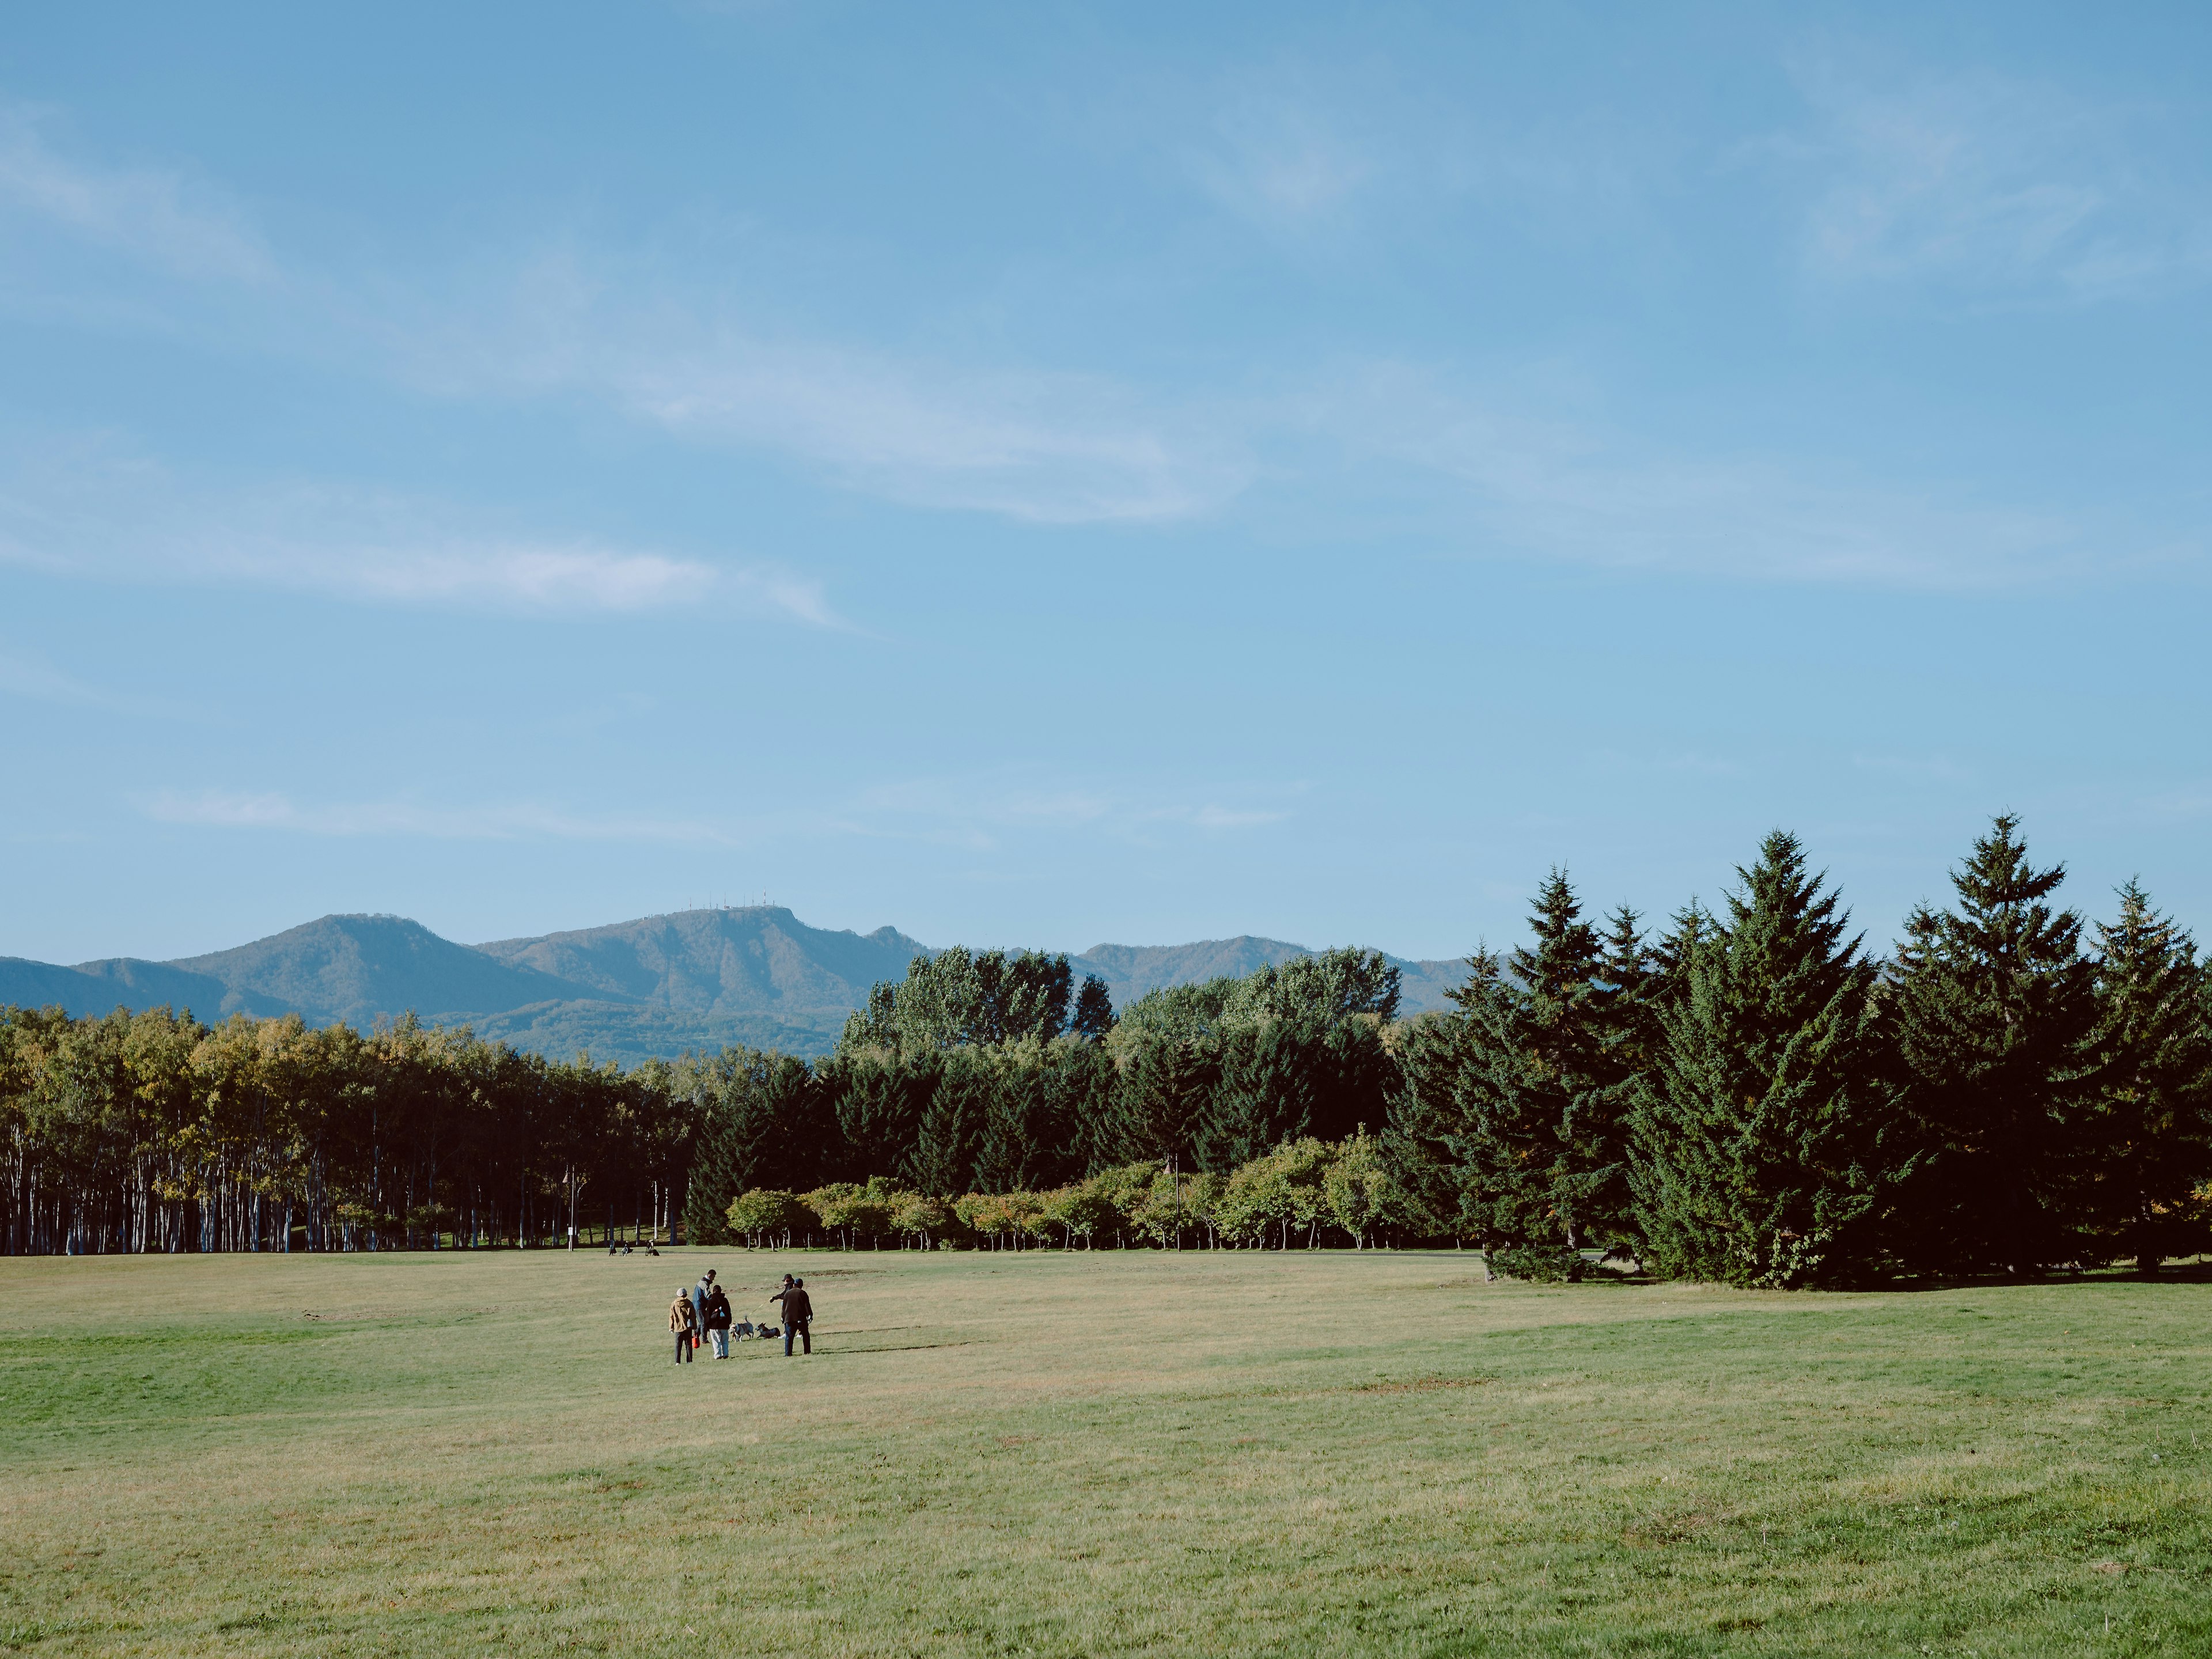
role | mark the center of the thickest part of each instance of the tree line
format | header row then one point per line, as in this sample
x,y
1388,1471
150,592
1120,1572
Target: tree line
x,y
1745,1094
155,1131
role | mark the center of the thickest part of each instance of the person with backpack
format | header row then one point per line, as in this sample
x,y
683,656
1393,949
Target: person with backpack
x,y
683,1320
717,1322
798,1313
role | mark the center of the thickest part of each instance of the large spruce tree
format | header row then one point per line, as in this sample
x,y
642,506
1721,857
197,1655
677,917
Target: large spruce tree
x,y
2155,1055
763,1123
1765,1137
1523,1090
1995,1016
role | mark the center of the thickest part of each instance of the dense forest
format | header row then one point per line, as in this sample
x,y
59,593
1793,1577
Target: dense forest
x,y
1743,1094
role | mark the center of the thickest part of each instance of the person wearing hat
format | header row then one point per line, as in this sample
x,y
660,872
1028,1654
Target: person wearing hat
x,y
683,1320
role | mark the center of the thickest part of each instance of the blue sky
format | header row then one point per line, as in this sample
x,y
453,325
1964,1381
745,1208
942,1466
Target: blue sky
x,y
1051,475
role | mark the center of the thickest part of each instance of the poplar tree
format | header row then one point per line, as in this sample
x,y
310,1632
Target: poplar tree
x,y
1995,1010
1765,1136
2155,1071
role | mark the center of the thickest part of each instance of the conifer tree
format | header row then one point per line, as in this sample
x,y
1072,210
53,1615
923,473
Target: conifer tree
x,y
1627,995
1765,1137
877,1097
763,1124
945,1141
1024,1142
1425,1112
1995,1013
1264,1094
2155,1075
1671,953
1094,1009
1533,1108
1162,1092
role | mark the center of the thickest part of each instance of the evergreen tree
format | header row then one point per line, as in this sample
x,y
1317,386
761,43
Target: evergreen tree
x,y
1627,995
1024,1142
1264,1094
761,1126
1535,1103
877,1098
1671,953
1085,1090
945,1141
1766,1139
2156,1055
1094,1009
1994,1013
1164,1086
1357,1076
1424,1114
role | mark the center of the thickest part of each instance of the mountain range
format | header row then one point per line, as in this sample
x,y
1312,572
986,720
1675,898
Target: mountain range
x,y
659,985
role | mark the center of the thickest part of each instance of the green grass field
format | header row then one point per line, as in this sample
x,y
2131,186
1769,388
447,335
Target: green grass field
x,y
1221,1453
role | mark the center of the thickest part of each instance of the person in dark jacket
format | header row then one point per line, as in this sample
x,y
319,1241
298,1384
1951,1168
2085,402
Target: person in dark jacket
x,y
717,1322
798,1312
700,1292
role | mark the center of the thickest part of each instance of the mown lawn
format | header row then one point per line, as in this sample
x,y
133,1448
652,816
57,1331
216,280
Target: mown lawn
x,y
1309,1453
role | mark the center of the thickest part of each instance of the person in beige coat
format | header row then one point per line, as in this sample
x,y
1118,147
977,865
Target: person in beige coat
x,y
683,1320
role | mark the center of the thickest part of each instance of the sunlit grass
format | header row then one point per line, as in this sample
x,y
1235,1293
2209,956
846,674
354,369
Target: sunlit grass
x,y
1216,1452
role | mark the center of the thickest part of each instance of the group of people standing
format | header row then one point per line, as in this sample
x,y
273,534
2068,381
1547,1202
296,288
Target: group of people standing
x,y
703,1314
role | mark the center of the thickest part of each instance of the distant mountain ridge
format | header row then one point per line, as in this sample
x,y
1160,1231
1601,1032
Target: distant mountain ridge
x,y
655,985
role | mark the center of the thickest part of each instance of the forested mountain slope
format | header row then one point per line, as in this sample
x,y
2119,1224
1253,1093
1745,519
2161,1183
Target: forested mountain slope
x,y
655,985
357,967
759,959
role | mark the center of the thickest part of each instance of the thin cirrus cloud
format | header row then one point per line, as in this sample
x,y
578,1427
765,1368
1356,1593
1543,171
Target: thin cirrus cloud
x,y
512,821
981,813
1040,447
1036,447
1949,180
160,217
95,511
1507,482
2003,187
30,675
1277,159
1046,449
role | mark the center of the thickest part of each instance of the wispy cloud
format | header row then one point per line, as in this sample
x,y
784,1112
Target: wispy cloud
x,y
505,821
2005,186
160,216
1225,817
1967,181
29,674
1275,157
99,510
1521,484
983,813
634,334
1038,446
